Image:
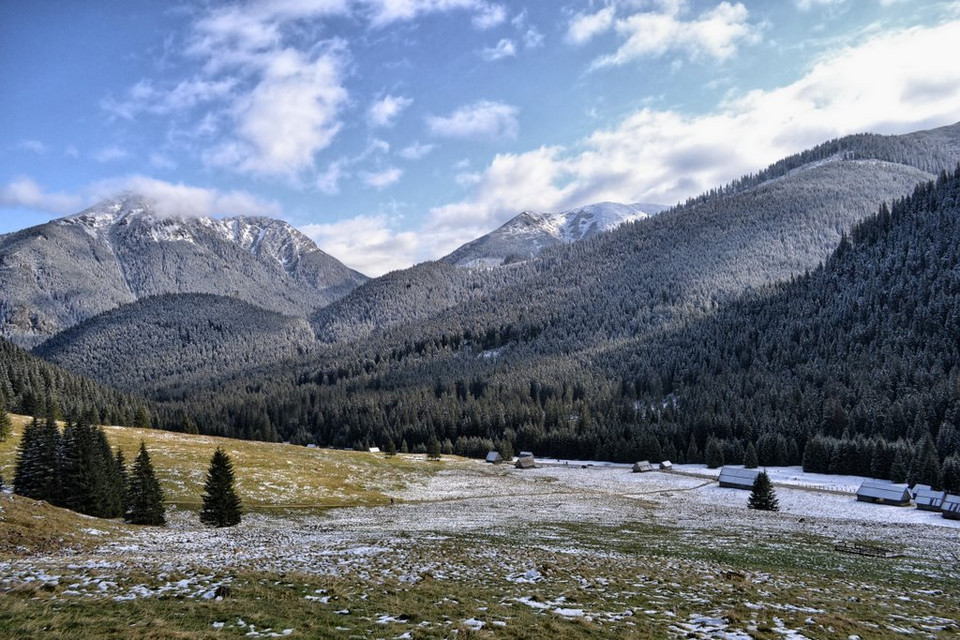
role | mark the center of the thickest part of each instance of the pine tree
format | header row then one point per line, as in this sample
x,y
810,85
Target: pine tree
x,y
693,451
221,505
391,448
951,474
713,456
49,456
433,448
763,497
144,497
750,457
926,465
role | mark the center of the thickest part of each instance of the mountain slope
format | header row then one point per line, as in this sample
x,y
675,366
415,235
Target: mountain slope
x,y
525,352
176,340
529,233
62,272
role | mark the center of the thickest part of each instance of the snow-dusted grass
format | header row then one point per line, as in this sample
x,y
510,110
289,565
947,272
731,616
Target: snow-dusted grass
x,y
491,551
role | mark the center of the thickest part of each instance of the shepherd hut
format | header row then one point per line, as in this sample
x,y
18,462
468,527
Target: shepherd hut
x,y
928,499
643,466
950,508
494,457
881,492
526,462
737,478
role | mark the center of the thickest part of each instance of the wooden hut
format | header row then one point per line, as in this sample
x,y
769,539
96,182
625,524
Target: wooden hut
x,y
882,492
737,478
494,457
526,462
950,507
928,499
666,465
643,466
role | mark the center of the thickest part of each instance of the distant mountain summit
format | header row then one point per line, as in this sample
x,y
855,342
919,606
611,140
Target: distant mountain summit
x,y
529,233
55,275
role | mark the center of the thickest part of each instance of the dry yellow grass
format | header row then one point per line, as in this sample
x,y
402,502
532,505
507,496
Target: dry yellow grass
x,y
269,476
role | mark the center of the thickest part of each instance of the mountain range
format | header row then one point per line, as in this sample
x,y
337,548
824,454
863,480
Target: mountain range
x,y
548,332
58,274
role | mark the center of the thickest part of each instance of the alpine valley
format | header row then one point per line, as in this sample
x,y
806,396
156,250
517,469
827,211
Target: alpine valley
x,y
743,318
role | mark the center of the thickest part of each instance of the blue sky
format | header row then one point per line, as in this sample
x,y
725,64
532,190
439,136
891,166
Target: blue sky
x,y
392,131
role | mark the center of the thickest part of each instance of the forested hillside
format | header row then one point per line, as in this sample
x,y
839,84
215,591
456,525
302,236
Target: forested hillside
x,y
32,386
165,344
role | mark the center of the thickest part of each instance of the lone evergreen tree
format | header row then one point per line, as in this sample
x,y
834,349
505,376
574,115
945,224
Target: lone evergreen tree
x,y
714,454
433,448
27,477
763,497
391,448
144,497
221,505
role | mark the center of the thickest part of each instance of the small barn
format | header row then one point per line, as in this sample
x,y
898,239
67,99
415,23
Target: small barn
x,y
737,478
950,507
880,492
917,488
373,450
494,457
643,466
666,465
928,499
526,462
525,454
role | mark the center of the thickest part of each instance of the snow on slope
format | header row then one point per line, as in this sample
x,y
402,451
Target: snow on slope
x,y
529,233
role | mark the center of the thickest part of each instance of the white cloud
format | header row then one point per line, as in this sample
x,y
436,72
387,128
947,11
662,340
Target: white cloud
x,y
416,151
715,34
384,12
383,112
382,179
369,244
24,192
168,198
291,114
329,180
893,83
805,5
110,154
162,162
584,26
504,49
483,120
34,146
489,16
146,97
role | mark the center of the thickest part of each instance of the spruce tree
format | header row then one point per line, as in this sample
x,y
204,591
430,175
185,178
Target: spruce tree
x,y
951,475
713,456
144,497
49,455
433,448
27,478
926,464
750,457
391,448
221,505
763,497
5,423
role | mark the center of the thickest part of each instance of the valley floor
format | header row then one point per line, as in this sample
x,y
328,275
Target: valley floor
x,y
472,550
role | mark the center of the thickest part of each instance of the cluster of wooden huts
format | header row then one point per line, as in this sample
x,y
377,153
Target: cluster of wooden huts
x,y
524,461
902,495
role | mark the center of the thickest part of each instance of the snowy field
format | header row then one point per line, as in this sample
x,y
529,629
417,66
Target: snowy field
x,y
576,542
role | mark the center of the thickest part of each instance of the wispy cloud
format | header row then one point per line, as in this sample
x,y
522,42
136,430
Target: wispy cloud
x,y
416,151
110,154
24,192
504,49
584,26
483,120
34,146
369,244
382,179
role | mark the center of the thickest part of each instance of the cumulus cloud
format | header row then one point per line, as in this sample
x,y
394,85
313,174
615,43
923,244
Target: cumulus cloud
x,y
584,26
382,179
483,120
291,114
384,111
504,49
489,16
892,83
714,34
369,244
